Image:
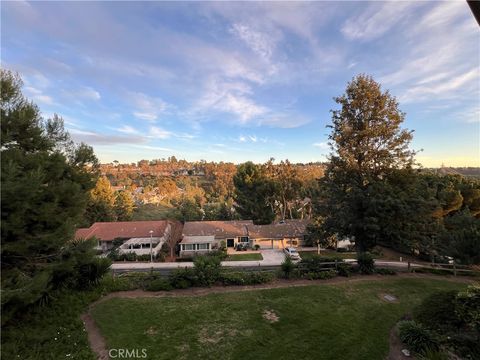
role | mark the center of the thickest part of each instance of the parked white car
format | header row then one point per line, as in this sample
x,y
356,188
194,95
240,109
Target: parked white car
x,y
292,253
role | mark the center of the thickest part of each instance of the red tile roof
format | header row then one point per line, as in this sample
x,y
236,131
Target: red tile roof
x,y
219,229
108,231
287,229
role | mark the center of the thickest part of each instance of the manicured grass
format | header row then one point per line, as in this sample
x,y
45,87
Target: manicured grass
x,y
343,321
244,257
327,254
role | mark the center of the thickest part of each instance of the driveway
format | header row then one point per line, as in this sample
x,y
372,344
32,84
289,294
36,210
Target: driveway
x,y
272,256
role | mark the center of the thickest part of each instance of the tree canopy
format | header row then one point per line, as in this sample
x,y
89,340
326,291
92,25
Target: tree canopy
x,y
45,182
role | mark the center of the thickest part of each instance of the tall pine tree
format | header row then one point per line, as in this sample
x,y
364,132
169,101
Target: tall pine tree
x,y
45,182
368,146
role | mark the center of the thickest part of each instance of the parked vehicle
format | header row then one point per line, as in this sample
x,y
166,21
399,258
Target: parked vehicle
x,y
241,247
292,253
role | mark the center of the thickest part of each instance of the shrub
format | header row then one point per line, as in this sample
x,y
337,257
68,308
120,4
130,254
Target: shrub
x,y
233,278
416,337
246,278
465,344
182,278
322,275
468,307
385,271
366,264
437,311
158,284
260,277
287,267
89,273
112,284
319,263
344,269
207,269
256,246
430,354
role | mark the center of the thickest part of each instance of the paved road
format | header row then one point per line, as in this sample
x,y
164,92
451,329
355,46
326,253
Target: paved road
x,y
271,257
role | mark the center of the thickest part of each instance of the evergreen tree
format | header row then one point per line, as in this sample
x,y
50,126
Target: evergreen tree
x,y
124,206
367,145
252,192
101,203
45,182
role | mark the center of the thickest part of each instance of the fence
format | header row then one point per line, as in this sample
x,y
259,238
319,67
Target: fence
x,y
441,269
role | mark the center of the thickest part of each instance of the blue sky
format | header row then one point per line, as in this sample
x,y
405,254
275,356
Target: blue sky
x,y
244,81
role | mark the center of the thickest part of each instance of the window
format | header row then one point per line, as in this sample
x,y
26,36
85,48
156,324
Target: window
x,y
244,239
203,246
188,247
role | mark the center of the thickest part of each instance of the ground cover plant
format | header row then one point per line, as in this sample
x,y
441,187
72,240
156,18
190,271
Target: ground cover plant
x,y
342,321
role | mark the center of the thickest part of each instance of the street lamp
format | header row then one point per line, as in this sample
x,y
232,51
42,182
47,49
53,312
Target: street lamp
x,y
151,254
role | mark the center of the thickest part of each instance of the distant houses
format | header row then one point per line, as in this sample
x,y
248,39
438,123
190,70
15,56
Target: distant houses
x,y
137,236
197,237
203,236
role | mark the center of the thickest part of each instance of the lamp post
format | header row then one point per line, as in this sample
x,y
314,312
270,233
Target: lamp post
x,y
151,254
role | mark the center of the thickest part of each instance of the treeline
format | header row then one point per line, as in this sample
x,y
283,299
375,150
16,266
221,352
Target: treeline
x,y
215,195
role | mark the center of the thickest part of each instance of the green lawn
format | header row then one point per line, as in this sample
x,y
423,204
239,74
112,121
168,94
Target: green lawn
x,y
327,253
344,321
244,257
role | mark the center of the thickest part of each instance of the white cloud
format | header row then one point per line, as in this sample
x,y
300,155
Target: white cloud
x,y
145,116
230,97
286,120
147,107
260,43
430,67
126,129
96,138
443,88
321,145
376,20
88,93
159,133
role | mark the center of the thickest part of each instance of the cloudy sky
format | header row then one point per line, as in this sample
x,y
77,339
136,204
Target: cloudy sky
x,y
244,81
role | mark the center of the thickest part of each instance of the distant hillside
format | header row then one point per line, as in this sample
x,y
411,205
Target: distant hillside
x,y
464,171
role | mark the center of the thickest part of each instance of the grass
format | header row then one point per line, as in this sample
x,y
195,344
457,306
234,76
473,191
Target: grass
x,y
56,331
244,257
342,321
328,254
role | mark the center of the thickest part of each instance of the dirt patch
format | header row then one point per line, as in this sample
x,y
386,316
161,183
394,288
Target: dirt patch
x,y
270,316
388,298
95,338
396,346
152,330
210,337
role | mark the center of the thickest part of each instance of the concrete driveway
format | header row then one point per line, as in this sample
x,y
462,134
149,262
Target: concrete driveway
x,y
272,256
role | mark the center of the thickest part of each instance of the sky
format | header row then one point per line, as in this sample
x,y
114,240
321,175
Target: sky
x,y
243,81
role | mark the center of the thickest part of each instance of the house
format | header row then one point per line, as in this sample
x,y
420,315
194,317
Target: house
x,y
197,235
138,236
278,235
204,236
